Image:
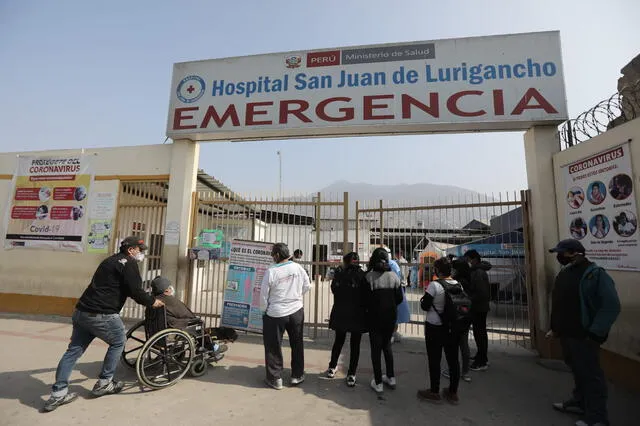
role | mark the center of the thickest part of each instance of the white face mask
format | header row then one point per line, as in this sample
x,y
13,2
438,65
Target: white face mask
x,y
172,291
139,257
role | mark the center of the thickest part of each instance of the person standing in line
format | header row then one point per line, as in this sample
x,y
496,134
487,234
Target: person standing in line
x,y
442,331
480,293
461,272
584,307
281,301
97,314
347,314
404,315
384,294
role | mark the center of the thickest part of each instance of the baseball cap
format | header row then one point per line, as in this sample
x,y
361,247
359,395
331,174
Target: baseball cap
x,y
133,241
568,245
159,285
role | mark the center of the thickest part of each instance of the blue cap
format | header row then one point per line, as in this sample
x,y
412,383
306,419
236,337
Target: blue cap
x,y
568,245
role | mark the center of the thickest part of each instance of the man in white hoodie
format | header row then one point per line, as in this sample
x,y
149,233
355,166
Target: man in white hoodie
x,y
281,301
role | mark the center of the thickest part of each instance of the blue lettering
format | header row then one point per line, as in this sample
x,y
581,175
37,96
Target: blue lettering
x,y
531,66
301,83
430,78
549,69
519,74
217,87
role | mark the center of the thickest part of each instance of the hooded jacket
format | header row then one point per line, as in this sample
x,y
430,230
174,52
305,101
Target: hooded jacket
x,y
349,290
479,289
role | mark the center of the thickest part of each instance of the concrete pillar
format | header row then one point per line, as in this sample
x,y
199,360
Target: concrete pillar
x,y
540,144
182,182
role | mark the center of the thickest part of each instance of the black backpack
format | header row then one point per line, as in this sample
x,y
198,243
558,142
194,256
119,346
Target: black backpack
x,y
457,306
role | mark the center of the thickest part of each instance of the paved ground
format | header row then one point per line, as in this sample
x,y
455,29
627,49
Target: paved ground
x,y
515,391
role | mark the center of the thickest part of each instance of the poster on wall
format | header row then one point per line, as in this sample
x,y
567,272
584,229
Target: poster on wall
x,y
241,303
602,210
101,215
49,203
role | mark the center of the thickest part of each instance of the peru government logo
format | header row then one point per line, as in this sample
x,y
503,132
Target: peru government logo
x,y
190,89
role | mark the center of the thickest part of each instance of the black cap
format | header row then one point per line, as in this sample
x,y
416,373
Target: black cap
x,y
133,241
159,285
568,245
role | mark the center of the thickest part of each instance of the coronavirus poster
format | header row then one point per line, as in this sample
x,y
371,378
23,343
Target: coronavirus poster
x,y
601,208
48,206
248,262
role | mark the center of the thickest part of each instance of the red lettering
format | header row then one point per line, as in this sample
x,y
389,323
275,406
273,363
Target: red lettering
x,y
322,114
251,112
230,112
433,109
498,102
542,103
369,106
298,112
178,116
452,104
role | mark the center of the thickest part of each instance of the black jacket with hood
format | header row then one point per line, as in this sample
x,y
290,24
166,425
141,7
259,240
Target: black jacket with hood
x,y
479,289
349,290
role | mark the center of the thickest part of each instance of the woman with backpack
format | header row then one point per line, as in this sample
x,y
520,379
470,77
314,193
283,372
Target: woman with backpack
x,y
347,314
447,315
461,272
383,297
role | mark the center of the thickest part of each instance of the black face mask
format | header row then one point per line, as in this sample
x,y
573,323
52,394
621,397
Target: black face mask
x,y
563,260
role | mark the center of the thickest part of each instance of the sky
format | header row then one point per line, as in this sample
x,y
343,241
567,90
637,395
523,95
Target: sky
x,y
86,74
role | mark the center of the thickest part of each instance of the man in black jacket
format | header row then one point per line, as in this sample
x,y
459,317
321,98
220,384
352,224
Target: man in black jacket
x,y
479,291
97,315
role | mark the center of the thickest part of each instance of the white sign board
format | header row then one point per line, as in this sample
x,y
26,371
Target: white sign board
x,y
507,82
601,208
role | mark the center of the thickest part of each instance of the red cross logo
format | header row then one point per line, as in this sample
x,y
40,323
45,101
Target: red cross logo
x,y
190,89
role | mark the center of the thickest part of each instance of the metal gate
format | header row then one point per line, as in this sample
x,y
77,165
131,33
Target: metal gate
x,y
312,224
496,226
141,212
324,228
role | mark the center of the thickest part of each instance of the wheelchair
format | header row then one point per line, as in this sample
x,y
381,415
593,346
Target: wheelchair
x,y
161,356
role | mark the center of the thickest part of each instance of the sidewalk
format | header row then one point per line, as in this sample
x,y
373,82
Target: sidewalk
x,y
515,391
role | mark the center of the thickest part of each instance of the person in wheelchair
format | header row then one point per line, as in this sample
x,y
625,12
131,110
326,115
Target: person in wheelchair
x,y
179,316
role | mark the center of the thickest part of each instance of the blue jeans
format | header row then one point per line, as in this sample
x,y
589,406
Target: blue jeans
x,y
86,327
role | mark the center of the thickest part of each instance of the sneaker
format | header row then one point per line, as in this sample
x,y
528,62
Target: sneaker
x,y
330,373
220,349
475,366
55,401
351,381
571,406
445,373
583,423
275,383
427,395
108,389
466,377
452,398
389,381
376,387
297,380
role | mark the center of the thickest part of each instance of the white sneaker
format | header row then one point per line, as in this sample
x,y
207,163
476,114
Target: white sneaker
x,y
375,387
330,373
297,380
389,381
351,381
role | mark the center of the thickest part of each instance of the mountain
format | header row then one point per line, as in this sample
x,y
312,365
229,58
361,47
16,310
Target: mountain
x,y
421,194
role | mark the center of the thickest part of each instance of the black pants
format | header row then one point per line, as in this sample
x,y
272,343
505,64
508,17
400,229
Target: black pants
x,y
354,354
438,338
272,332
479,322
583,357
381,344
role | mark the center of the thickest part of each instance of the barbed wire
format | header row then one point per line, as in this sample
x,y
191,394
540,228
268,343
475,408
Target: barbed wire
x,y
621,107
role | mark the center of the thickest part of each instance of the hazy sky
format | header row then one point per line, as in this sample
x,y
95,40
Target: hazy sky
x,y
97,74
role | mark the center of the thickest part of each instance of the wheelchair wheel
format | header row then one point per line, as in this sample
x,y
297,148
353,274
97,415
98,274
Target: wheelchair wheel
x,y
135,341
165,358
198,367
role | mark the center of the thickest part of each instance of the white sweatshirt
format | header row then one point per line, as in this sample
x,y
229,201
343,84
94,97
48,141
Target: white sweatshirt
x,y
283,286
